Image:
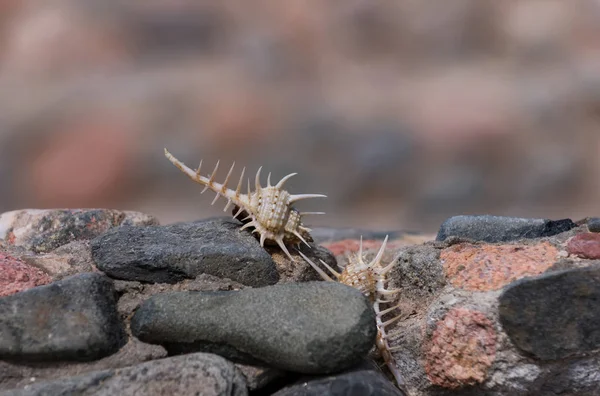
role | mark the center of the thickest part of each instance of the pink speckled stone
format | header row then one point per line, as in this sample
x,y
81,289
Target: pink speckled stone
x,y
461,350
491,267
16,276
585,245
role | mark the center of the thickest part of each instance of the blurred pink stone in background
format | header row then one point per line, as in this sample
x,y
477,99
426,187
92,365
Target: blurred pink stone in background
x,y
404,113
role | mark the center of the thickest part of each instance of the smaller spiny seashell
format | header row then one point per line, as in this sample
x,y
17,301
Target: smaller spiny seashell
x,y
267,209
370,279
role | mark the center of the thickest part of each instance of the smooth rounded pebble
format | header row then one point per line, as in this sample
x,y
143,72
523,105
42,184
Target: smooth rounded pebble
x,y
310,327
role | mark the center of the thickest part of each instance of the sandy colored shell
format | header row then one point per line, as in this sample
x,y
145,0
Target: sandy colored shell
x,y
267,209
370,279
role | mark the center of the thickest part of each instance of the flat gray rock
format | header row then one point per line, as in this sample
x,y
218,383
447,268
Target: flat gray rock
x,y
72,319
310,327
554,316
172,253
493,229
194,374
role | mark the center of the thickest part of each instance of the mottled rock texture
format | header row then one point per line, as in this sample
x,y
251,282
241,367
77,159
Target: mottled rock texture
x,y
16,275
197,373
42,231
491,267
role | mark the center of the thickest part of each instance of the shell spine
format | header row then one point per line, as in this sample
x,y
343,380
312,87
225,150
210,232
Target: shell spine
x,y
268,209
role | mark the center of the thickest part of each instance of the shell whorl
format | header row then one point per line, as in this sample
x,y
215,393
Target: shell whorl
x,y
370,279
267,209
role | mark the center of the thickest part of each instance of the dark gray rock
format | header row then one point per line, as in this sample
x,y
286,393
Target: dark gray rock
x,y
310,327
493,229
72,319
356,382
199,373
169,254
555,315
594,224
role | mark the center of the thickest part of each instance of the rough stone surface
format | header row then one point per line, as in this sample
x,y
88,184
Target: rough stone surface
x,y
258,377
418,272
16,276
16,374
555,315
350,246
461,350
491,267
310,327
493,229
577,378
356,382
69,259
42,231
168,254
300,270
72,319
585,245
198,373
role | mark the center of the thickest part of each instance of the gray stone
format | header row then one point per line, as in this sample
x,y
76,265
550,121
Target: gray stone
x,y
69,259
169,254
43,230
594,224
14,375
72,319
310,327
553,316
501,229
579,377
194,374
355,382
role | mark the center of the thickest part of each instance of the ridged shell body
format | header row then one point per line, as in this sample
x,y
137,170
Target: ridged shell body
x,y
268,209
359,276
273,212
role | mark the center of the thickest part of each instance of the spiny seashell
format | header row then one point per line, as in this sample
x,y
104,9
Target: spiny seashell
x,y
370,279
268,209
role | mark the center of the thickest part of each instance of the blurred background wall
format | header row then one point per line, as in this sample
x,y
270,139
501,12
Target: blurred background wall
x,y
403,112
